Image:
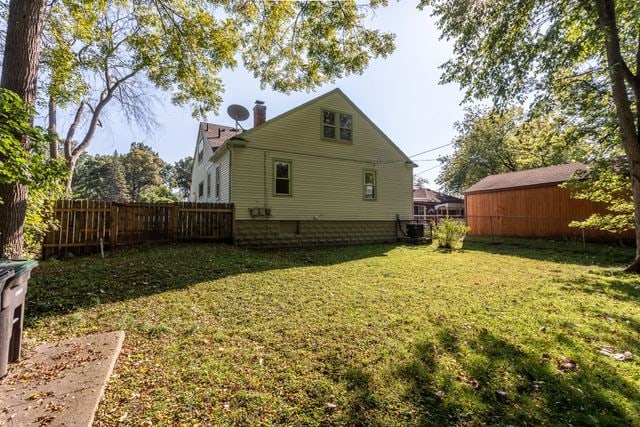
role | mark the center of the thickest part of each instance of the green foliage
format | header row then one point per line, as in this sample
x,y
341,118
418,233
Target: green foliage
x,y
566,56
606,182
142,168
180,47
182,176
158,194
19,162
139,176
491,142
449,233
24,160
293,46
100,178
420,182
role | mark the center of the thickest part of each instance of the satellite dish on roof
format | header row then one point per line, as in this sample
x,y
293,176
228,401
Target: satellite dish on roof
x,y
238,113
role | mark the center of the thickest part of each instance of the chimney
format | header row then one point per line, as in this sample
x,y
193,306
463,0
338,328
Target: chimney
x,y
259,113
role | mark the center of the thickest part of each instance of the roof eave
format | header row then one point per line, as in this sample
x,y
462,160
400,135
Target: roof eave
x,y
517,187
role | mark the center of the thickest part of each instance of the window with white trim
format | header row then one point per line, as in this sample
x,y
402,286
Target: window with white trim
x,y
208,184
201,190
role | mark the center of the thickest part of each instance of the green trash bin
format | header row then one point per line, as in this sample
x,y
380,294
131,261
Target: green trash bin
x,y
12,299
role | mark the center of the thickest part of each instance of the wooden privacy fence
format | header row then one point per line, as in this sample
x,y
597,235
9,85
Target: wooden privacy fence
x,y
84,224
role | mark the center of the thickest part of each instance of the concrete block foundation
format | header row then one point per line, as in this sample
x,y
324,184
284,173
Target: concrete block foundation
x,y
274,233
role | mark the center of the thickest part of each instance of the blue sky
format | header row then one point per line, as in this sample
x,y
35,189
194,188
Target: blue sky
x,y
400,94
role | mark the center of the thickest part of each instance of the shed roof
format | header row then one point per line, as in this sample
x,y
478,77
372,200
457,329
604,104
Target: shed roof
x,y
426,195
527,178
216,134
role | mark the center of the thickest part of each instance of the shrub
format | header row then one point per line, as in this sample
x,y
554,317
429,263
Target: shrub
x,y
449,232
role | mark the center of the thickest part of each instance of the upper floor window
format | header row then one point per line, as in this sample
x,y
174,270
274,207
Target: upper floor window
x,y
282,178
217,181
370,191
200,151
337,125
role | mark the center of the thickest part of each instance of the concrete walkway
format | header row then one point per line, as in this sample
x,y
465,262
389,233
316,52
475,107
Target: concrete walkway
x,y
60,383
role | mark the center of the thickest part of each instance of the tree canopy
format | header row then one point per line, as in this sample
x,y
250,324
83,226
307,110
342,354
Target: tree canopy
x,y
580,58
97,52
491,142
137,176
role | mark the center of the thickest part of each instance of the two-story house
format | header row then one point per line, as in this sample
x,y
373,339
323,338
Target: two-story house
x,y
321,173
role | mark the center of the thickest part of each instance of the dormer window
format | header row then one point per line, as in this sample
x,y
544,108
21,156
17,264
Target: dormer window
x,y
337,126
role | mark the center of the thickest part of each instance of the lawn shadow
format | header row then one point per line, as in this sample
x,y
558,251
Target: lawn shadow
x,y
498,383
617,285
563,252
62,287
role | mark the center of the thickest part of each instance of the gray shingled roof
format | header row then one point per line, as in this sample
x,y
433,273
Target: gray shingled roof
x,y
427,195
217,134
527,178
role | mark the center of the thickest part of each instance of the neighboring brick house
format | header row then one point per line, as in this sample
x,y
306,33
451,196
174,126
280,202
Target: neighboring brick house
x,y
321,173
428,204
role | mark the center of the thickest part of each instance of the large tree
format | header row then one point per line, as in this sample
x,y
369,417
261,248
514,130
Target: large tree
x,y
492,141
97,52
19,73
142,169
511,50
100,178
182,176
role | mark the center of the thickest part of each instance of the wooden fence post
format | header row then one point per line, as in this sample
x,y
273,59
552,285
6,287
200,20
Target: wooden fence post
x,y
113,241
174,222
233,223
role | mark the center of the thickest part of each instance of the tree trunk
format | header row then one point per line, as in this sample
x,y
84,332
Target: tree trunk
x,y
52,129
19,74
71,163
12,220
618,70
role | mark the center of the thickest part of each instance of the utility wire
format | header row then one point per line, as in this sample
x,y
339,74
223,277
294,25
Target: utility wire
x,y
432,149
426,170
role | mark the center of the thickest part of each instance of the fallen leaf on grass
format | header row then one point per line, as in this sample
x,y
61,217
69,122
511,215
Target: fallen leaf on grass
x,y
567,365
619,356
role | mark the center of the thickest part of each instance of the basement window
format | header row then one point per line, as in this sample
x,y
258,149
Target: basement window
x,y
337,126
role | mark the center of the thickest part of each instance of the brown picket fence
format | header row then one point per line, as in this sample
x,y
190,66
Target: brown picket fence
x,y
83,226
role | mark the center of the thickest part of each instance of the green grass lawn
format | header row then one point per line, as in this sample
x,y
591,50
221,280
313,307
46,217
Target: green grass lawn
x,y
365,335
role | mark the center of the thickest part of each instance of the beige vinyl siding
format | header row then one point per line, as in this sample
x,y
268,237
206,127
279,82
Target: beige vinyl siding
x,y
326,176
